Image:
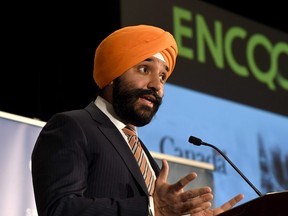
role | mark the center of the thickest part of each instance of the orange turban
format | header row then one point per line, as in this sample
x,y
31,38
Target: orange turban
x,y
127,47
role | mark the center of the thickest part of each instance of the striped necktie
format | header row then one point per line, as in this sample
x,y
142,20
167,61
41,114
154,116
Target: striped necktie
x,y
140,157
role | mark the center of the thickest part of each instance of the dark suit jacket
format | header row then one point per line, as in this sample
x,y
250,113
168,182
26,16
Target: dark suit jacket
x,y
81,165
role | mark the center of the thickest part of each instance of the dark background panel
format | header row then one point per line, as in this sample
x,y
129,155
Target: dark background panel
x,y
48,50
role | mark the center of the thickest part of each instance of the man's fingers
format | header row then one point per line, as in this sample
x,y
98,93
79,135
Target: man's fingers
x,y
194,204
228,205
163,175
179,185
201,194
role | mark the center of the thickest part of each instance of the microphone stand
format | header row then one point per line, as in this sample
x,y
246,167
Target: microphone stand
x,y
198,142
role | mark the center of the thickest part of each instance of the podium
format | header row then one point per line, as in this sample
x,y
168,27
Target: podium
x,y
271,204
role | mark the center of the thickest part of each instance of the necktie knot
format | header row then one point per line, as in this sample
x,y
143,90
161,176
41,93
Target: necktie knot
x,y
130,130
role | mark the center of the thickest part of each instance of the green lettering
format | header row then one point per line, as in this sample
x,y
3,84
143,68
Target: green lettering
x,y
278,49
231,35
180,31
265,77
204,37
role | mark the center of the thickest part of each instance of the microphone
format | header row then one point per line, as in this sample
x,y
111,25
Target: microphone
x,y
198,142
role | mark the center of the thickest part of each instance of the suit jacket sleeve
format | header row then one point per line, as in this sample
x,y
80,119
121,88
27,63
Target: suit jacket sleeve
x,y
77,170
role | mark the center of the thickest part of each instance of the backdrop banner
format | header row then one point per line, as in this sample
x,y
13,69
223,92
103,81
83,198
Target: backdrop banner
x,y
220,53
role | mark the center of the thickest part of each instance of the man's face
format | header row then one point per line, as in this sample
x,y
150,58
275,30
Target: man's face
x,y
137,94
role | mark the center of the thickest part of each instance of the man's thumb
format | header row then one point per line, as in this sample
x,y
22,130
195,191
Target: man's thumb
x,y
163,175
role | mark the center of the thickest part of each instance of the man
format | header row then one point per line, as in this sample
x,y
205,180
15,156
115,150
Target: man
x,y
82,162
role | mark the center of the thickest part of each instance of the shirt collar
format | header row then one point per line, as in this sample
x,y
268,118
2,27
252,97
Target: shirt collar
x,y
107,108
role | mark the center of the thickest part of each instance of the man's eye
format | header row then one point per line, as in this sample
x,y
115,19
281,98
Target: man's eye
x,y
163,77
143,69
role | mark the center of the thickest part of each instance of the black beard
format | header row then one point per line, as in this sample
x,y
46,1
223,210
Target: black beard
x,y
124,101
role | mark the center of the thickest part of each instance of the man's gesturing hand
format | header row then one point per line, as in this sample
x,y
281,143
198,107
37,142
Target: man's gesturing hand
x,y
173,200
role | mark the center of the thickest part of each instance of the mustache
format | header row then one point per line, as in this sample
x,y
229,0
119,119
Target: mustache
x,y
143,92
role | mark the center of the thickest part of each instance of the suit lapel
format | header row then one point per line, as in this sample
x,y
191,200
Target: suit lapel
x,y
116,139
